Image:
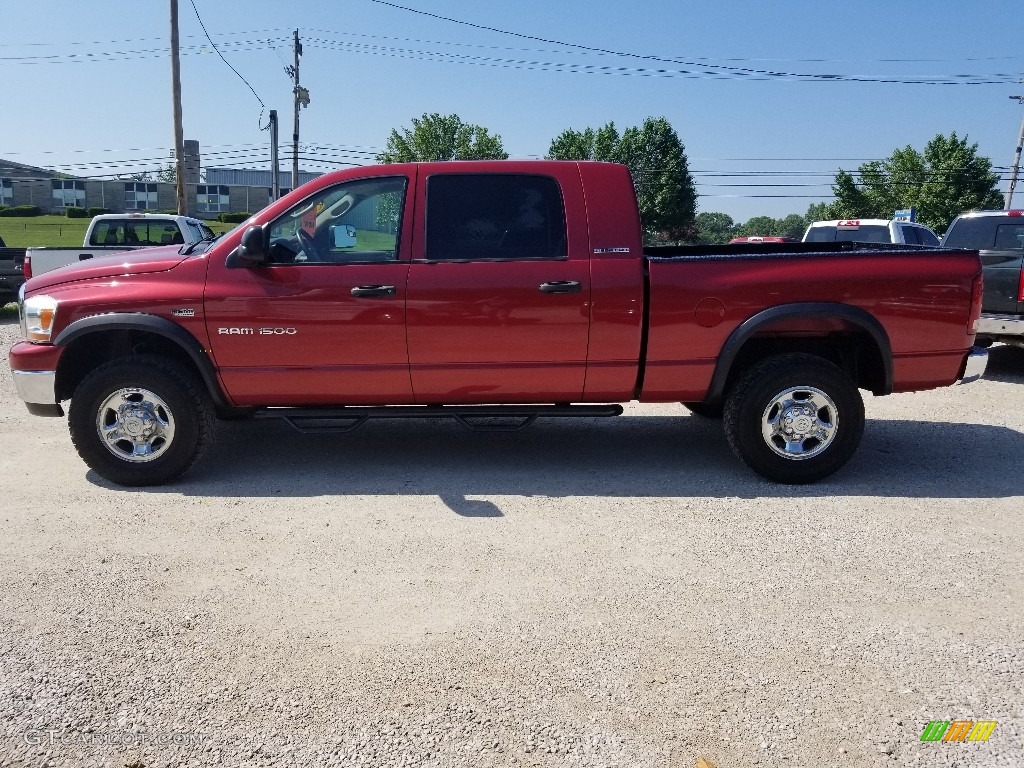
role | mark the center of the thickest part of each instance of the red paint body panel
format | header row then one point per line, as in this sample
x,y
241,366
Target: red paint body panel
x,y
617,284
922,299
482,332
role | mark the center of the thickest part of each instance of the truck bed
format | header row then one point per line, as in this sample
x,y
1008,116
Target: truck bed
x,y
913,302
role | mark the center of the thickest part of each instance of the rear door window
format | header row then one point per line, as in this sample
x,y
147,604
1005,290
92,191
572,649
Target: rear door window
x,y
473,217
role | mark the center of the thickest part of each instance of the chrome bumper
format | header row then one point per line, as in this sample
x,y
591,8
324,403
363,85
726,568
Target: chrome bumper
x,y
1001,325
38,390
977,359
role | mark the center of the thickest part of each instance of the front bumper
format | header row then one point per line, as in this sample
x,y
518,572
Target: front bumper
x,y
974,368
39,391
1001,325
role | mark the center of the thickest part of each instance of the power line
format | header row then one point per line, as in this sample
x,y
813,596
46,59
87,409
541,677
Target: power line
x,y
700,71
215,48
741,72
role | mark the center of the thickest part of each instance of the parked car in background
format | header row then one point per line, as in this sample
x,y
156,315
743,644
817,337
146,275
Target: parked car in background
x,y
117,232
870,231
999,237
762,239
12,274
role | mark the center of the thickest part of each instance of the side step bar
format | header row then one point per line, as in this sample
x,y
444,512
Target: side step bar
x,y
349,417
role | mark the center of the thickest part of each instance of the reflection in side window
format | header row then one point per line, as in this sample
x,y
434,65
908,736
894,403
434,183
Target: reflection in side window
x,y
494,216
356,222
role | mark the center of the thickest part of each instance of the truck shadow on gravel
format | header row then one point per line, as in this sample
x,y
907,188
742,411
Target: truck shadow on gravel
x,y
632,456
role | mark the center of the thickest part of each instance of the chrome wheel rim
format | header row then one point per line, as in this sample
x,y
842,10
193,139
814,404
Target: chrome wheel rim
x,y
799,423
135,425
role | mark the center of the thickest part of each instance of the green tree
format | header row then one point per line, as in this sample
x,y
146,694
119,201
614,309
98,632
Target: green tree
x,y
441,137
665,191
714,228
818,212
791,226
948,178
590,144
169,173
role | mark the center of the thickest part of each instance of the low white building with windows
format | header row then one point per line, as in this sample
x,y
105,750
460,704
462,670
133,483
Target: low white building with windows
x,y
223,190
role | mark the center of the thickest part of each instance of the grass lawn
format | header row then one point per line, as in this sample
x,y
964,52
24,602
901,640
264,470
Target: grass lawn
x,y
57,231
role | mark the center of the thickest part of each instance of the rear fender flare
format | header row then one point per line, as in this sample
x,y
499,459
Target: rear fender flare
x,y
749,327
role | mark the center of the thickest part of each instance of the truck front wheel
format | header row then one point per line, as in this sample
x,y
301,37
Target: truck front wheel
x,y
794,418
141,420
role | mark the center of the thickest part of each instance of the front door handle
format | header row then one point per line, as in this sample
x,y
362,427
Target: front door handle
x,y
561,286
373,291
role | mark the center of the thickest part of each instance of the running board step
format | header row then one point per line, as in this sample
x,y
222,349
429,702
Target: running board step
x,y
349,417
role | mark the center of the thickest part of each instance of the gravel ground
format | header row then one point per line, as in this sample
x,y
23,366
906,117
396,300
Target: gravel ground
x,y
584,593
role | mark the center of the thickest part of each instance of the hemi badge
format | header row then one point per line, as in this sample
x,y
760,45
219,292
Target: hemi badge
x,y
183,312
611,250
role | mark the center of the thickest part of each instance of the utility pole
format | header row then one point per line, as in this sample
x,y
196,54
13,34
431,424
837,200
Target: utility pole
x,y
179,135
1016,159
301,100
275,169
295,131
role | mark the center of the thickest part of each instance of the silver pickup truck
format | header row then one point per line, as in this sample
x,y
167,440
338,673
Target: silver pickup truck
x,y
117,232
999,236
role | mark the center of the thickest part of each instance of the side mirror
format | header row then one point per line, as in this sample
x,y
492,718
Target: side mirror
x,y
252,252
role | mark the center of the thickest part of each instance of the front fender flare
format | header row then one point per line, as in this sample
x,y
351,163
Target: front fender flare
x,y
140,321
749,327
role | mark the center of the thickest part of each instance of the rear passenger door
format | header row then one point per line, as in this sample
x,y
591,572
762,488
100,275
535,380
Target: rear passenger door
x,y
499,288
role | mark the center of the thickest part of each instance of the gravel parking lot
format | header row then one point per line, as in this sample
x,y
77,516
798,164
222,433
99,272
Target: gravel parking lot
x,y
583,593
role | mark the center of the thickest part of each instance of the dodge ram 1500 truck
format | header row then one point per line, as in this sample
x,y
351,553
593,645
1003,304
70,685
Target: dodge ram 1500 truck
x,y
501,289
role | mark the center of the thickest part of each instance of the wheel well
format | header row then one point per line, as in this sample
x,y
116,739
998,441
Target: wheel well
x,y
91,350
854,351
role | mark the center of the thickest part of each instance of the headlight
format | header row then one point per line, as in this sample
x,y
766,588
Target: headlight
x,y
37,316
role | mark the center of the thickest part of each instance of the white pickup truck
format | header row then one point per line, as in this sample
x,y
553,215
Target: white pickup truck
x,y
116,232
871,231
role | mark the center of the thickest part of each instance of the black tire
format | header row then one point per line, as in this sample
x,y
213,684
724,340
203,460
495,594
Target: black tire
x,y
806,394
705,410
141,449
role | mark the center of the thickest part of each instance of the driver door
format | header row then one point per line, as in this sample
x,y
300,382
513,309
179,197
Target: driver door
x,y
324,322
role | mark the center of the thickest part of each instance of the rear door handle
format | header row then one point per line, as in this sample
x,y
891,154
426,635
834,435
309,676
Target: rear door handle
x,y
561,286
371,291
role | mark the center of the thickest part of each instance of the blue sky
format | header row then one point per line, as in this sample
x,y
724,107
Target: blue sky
x,y
87,85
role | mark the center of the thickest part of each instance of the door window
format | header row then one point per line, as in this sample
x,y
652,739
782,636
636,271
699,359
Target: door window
x,y
353,223
476,217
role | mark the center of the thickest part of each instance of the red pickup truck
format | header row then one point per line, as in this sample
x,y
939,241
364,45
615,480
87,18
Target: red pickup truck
x,y
496,289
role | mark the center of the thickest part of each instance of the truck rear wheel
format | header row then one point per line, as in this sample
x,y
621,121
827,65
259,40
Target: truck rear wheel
x,y
794,418
140,420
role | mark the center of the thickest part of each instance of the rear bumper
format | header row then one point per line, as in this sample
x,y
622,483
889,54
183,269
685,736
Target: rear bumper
x,y
1000,325
974,368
